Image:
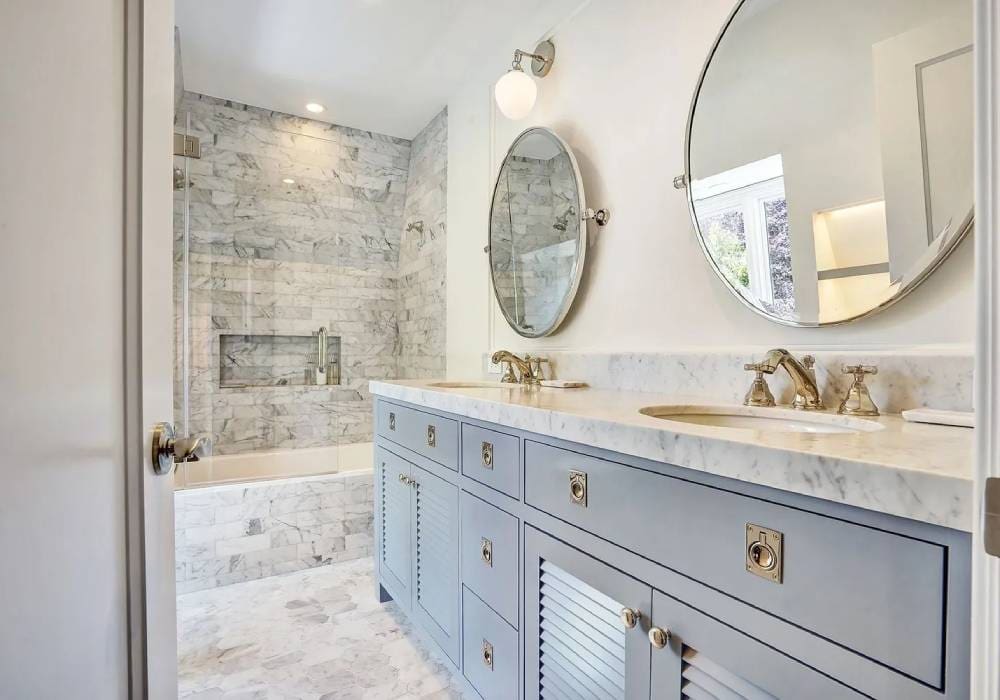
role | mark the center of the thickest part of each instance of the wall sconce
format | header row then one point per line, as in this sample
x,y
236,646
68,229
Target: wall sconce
x,y
515,92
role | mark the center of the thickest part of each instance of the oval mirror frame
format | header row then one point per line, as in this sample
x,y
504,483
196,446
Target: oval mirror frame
x,y
581,245
683,181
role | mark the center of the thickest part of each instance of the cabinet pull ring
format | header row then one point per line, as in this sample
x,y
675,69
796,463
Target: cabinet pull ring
x,y
486,552
578,488
658,637
488,455
488,655
431,436
392,421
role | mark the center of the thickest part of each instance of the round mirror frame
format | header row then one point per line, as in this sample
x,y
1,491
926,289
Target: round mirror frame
x,y
567,301
684,181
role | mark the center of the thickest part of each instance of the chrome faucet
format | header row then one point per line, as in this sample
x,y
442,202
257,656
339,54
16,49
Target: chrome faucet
x,y
807,396
529,369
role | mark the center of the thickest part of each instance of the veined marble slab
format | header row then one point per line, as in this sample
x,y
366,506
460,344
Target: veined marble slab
x,y
922,472
933,377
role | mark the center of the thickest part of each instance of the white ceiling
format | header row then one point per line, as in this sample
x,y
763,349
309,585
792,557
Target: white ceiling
x,y
382,65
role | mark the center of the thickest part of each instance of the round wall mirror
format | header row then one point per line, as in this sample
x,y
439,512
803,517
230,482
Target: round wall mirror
x,y
829,159
538,236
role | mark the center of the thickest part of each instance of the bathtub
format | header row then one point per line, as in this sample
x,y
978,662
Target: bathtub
x,y
244,517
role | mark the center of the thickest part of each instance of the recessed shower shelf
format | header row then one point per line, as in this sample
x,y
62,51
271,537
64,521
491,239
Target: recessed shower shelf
x,y
250,361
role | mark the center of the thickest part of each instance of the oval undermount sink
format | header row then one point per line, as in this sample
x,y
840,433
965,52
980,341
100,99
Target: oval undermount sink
x,y
471,385
770,420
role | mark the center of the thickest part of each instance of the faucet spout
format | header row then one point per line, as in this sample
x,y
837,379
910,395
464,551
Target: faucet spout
x,y
528,374
807,394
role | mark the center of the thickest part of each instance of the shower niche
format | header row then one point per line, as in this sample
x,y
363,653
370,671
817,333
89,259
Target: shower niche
x,y
250,360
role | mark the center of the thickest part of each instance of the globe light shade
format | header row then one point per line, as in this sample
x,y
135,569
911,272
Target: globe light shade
x,y
515,94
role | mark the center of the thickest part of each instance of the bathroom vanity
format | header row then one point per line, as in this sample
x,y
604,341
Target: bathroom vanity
x,y
563,544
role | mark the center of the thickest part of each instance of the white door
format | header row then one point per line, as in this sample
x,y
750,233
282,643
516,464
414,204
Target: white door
x,y
986,542
86,528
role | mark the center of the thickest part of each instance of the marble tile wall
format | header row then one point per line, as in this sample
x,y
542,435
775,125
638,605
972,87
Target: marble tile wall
x,y
907,378
421,311
267,256
232,533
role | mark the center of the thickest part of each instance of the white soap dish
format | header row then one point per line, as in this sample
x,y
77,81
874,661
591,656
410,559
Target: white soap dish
x,y
961,419
563,384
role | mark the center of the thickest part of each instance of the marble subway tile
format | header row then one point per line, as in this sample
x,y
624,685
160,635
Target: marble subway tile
x,y
329,519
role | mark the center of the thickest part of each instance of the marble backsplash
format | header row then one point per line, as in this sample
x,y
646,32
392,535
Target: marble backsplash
x,y
910,378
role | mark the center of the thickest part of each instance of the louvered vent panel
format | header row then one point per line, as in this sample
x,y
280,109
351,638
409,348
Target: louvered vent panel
x,y
703,679
395,507
435,555
582,642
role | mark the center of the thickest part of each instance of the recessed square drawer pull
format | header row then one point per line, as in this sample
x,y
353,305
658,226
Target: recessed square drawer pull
x,y
431,436
486,552
578,488
392,421
488,655
764,552
488,455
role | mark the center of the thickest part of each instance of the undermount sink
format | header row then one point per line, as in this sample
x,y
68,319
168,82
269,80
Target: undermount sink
x,y
770,420
471,385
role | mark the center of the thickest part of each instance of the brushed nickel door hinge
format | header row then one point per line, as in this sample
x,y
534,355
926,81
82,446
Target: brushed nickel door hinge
x,y
991,521
187,146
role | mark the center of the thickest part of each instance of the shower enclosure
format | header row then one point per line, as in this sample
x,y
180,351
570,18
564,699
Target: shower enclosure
x,y
289,299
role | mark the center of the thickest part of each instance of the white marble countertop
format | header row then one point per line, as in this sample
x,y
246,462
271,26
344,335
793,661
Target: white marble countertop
x,y
917,471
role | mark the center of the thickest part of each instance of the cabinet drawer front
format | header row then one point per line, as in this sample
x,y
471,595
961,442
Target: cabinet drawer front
x,y
705,658
432,436
492,458
489,650
882,594
490,555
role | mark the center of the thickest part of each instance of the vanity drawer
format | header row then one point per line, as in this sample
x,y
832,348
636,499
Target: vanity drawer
x,y
878,593
492,458
490,658
489,555
432,436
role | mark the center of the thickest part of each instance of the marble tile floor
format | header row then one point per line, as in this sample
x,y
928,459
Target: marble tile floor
x,y
317,634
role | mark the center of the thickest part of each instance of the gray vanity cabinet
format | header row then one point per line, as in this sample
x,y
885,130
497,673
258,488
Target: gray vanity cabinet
x,y
579,638
548,569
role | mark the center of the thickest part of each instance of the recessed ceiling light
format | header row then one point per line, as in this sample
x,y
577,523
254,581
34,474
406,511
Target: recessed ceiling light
x,y
315,107
288,181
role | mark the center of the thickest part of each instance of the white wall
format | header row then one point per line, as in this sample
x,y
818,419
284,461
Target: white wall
x,y
619,93
63,630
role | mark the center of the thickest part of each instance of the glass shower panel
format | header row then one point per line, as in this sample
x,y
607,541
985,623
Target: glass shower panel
x,y
286,245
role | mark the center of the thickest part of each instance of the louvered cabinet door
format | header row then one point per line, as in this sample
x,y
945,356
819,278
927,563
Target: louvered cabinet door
x,y
706,659
394,547
577,645
436,599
